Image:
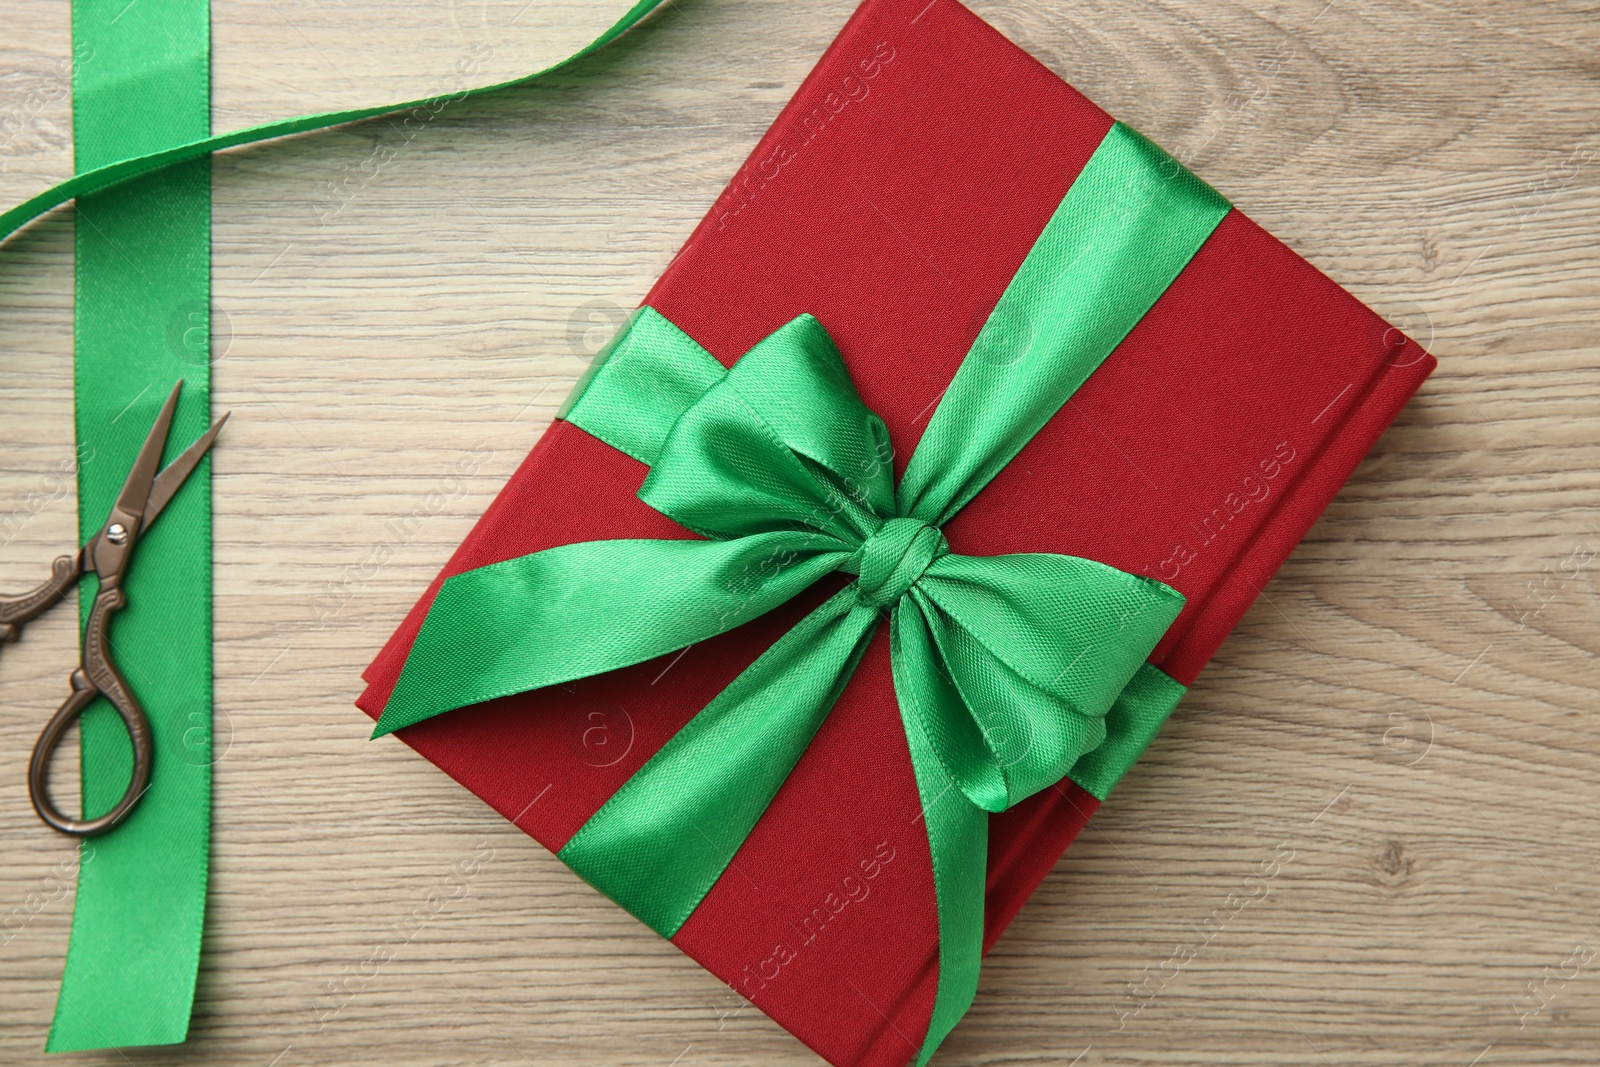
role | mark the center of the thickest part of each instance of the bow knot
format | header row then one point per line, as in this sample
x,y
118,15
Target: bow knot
x,y
893,559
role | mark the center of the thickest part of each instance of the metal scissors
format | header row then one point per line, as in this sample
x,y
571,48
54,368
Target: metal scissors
x,y
143,496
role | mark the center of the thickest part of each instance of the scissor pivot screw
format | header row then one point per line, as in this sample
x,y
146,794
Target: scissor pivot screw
x,y
117,534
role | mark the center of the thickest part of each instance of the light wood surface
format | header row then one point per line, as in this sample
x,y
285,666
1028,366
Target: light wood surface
x,y
1410,710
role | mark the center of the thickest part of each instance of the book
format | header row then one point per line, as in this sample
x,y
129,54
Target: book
x,y
894,198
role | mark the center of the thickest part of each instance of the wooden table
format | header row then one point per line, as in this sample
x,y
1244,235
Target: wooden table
x,y
1409,710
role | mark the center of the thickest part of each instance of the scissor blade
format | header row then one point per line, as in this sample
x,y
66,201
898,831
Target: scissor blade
x,y
136,490
172,478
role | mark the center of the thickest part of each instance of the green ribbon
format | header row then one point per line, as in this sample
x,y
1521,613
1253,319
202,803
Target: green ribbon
x,y
787,477
128,164
142,308
141,122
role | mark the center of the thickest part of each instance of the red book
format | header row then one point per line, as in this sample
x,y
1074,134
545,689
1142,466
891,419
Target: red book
x,y
894,199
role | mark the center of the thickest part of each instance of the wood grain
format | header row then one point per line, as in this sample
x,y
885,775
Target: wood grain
x,y
1408,712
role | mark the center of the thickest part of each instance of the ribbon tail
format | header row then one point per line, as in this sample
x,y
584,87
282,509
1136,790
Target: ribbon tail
x,y
958,842
662,840
584,609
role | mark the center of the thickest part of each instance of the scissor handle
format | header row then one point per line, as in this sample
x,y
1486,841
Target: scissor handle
x,y
97,676
16,610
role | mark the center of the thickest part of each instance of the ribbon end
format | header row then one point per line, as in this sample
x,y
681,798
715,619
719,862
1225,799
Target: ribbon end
x,y
396,717
410,704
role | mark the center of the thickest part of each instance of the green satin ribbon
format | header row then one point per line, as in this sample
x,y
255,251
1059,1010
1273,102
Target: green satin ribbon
x,y
786,475
126,164
141,121
142,301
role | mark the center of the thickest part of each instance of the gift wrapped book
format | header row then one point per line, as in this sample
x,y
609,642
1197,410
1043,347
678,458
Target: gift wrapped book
x,y
891,528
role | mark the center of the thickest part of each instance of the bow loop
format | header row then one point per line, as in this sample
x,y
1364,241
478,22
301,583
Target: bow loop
x,y
1011,663
781,441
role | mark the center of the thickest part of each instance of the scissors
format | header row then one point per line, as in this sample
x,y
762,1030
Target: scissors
x,y
143,497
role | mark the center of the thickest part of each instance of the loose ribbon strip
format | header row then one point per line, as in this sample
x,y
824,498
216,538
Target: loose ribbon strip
x,y
141,122
126,165
786,475
142,303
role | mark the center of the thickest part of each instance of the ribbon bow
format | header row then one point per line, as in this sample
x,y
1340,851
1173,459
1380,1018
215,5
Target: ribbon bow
x,y
1006,664
1009,663
1005,667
